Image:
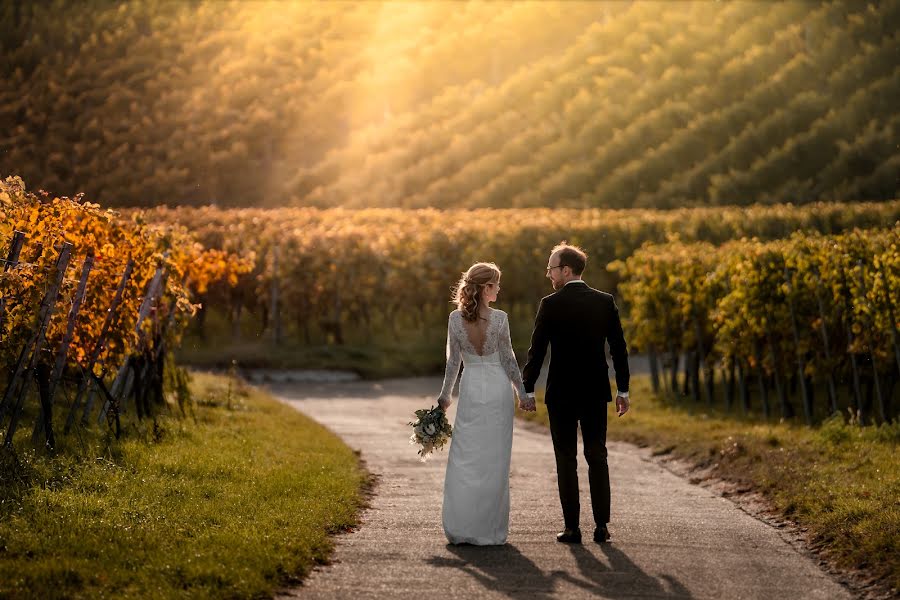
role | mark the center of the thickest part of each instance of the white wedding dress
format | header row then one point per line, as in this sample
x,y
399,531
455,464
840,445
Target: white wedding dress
x,y
476,485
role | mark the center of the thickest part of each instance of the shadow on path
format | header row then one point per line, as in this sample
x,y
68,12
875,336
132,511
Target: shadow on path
x,y
499,568
506,570
621,577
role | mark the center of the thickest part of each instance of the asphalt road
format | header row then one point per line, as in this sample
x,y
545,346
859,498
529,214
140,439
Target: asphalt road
x,y
670,539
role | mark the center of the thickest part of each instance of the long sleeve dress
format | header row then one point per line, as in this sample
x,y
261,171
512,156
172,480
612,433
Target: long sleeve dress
x,y
476,484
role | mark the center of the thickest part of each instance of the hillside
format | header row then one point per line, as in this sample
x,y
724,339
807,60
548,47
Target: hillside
x,y
604,104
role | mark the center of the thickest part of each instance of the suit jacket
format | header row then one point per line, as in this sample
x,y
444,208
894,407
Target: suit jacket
x,y
576,322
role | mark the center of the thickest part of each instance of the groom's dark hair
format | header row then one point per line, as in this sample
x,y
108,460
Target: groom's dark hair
x,y
571,256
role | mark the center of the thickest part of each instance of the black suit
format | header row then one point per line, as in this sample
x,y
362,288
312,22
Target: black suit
x,y
577,321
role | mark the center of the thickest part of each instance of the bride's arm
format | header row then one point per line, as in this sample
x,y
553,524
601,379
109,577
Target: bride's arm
x,y
508,358
454,360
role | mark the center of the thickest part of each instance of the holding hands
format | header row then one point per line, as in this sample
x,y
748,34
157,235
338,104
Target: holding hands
x,y
622,405
527,404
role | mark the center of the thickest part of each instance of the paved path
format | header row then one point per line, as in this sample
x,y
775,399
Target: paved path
x,y
671,539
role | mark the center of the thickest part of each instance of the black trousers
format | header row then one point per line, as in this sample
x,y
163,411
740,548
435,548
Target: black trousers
x,y
564,420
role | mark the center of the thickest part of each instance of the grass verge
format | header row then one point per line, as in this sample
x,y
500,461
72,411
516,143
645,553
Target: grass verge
x,y
369,362
839,481
235,502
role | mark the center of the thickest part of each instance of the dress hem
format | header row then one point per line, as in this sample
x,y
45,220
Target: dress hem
x,y
475,541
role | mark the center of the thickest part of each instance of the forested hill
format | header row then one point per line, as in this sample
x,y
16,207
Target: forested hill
x,y
606,104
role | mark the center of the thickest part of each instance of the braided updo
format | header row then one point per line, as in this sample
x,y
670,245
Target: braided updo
x,y
469,290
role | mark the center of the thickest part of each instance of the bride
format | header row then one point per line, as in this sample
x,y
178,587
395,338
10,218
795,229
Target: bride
x,y
476,485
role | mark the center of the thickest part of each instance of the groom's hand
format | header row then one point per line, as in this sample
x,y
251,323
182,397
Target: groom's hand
x,y
527,404
621,405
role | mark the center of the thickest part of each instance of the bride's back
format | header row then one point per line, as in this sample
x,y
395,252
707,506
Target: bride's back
x,y
477,337
476,332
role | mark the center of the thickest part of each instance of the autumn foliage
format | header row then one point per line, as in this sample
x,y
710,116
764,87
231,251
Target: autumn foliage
x,y
111,240
808,311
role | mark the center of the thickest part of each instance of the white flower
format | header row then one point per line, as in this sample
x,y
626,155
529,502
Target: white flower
x,y
430,431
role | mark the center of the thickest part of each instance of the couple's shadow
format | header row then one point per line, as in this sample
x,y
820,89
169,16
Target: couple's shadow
x,y
506,570
622,577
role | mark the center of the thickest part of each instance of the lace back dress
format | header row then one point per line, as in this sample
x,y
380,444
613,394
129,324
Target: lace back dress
x,y
476,485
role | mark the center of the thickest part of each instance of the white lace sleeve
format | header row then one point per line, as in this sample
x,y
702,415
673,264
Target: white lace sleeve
x,y
508,357
454,360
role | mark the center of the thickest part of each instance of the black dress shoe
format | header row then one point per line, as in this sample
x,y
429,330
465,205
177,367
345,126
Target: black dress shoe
x,y
601,535
569,536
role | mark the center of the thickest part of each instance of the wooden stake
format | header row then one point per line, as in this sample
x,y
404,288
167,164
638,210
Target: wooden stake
x,y
42,424
12,259
882,405
832,388
801,364
675,359
763,387
729,383
854,367
86,383
45,314
701,357
742,384
118,384
786,410
654,370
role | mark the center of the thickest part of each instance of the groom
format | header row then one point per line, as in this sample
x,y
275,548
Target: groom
x,y
576,321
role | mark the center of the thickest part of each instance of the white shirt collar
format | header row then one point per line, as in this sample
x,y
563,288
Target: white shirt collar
x,y
574,281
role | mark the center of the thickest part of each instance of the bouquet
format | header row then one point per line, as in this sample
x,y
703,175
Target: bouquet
x,y
431,431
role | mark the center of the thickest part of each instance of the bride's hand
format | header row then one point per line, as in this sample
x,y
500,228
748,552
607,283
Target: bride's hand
x,y
443,404
527,404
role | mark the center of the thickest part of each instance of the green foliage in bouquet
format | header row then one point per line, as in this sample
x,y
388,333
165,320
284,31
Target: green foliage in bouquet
x,y
431,431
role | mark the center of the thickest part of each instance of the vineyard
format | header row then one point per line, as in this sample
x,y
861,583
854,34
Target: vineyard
x,y
90,305
336,275
770,298
782,318
290,190
363,104
660,106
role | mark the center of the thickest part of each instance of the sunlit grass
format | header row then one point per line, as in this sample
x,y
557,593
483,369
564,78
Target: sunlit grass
x,y
408,352
370,362
233,504
840,481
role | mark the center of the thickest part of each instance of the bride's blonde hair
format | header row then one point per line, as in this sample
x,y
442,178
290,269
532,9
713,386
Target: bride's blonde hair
x,y
469,290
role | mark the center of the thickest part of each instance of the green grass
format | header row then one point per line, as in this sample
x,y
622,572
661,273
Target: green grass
x,y
416,347
235,502
414,350
839,481
369,362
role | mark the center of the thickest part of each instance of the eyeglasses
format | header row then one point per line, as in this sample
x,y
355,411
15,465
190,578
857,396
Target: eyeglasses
x,y
554,267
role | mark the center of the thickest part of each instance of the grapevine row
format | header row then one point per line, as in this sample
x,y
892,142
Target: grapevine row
x,y
562,146
341,274
608,104
85,294
813,314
